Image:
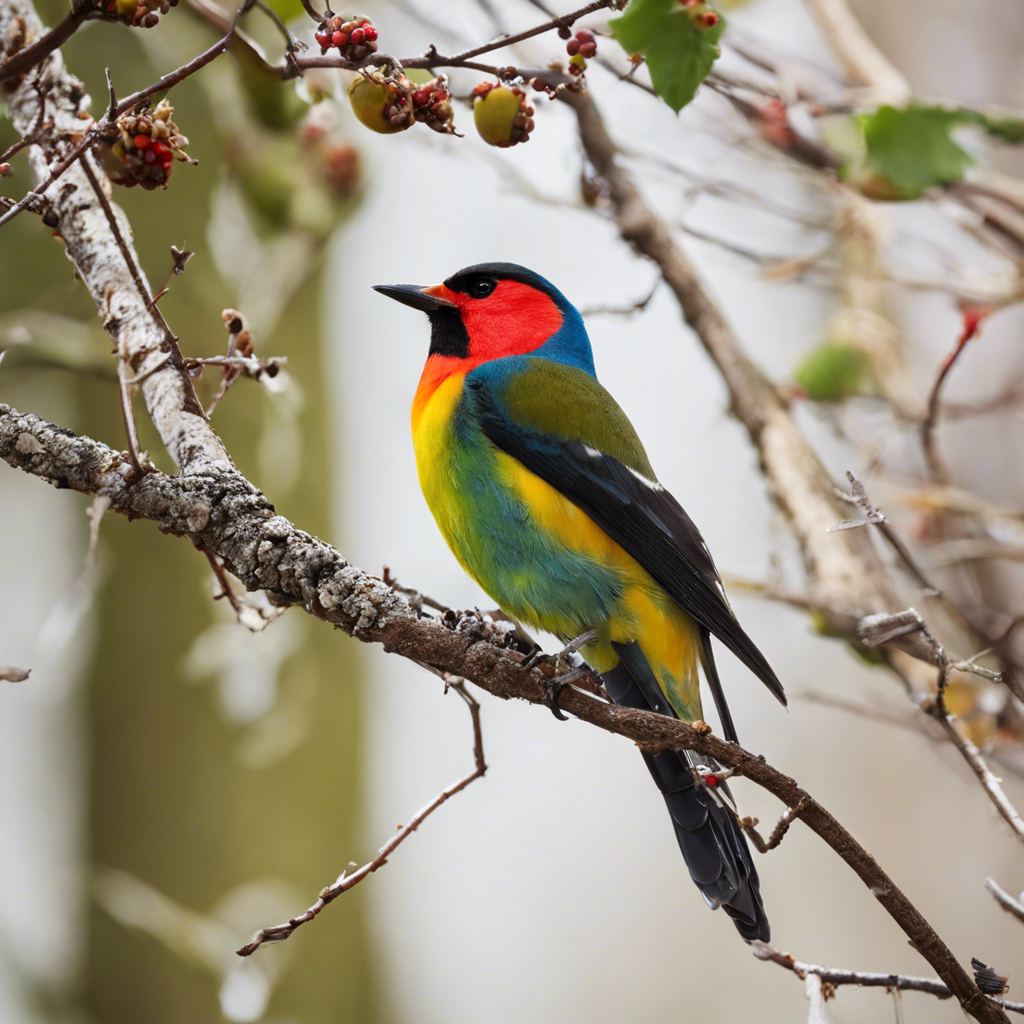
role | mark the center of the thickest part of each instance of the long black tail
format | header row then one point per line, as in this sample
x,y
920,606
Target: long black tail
x,y
712,845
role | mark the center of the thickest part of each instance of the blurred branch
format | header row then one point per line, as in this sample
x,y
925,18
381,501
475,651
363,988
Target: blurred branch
x,y
861,59
834,977
22,61
346,881
216,507
937,467
12,674
1005,900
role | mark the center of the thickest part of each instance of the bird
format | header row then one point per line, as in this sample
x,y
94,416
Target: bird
x,y
543,491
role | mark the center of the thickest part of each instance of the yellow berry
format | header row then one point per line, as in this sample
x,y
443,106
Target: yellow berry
x,y
382,108
495,114
126,8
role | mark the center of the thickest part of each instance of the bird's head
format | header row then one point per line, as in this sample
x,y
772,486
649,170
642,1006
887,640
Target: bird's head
x,y
493,310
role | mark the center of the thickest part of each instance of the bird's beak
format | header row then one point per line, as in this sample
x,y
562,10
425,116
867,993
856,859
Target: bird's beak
x,y
424,298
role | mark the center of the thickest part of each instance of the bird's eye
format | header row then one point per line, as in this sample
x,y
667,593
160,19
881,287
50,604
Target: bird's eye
x,y
482,287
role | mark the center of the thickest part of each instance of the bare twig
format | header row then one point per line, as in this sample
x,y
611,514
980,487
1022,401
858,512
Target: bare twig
x,y
13,674
778,833
352,876
26,59
863,62
865,979
937,467
93,135
1005,900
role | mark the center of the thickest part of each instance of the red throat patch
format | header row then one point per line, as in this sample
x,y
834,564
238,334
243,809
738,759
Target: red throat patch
x,y
513,320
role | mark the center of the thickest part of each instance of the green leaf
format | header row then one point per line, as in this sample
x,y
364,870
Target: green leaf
x,y
833,372
678,46
287,10
1006,129
912,149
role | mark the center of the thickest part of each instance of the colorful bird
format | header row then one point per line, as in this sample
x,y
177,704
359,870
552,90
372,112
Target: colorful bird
x,y
545,495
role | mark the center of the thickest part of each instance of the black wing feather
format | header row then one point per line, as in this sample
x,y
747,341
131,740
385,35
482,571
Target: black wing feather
x,y
644,519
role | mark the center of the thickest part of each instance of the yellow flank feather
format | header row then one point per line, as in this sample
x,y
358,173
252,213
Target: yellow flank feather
x,y
669,637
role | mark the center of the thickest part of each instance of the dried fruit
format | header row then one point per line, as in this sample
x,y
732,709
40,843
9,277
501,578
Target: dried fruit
x,y
502,115
354,38
432,104
145,149
384,105
141,13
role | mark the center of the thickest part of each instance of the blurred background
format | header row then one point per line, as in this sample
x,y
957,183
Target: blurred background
x,y
171,781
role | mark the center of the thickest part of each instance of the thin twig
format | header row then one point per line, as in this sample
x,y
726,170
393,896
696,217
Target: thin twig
x,y
349,877
937,467
93,135
865,979
25,60
778,833
13,674
1005,900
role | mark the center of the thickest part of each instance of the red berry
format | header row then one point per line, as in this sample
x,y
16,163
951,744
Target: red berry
x,y
324,39
141,141
338,39
358,36
572,47
422,96
711,780
588,49
584,36
371,33
710,19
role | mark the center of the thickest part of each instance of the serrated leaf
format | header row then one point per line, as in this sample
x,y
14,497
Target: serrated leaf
x,y
912,148
678,48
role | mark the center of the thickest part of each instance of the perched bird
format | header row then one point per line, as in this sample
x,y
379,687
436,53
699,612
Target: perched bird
x,y
545,495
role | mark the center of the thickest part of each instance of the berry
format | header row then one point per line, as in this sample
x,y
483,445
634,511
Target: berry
x,y
5,171
354,38
577,65
432,104
145,149
502,115
583,43
710,19
383,105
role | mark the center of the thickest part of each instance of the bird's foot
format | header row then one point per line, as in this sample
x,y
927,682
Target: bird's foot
x,y
533,657
553,690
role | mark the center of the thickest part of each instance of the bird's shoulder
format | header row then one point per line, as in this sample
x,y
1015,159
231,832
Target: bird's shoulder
x,y
563,402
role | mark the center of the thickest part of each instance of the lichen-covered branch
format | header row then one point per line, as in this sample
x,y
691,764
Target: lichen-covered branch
x,y
218,509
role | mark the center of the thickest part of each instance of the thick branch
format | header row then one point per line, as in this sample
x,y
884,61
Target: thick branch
x,y
216,507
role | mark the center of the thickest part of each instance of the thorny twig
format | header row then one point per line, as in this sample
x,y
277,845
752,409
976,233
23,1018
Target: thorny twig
x,y
834,977
352,876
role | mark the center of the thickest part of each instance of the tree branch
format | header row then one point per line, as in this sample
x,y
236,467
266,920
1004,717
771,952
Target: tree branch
x,y
834,976
216,507
347,880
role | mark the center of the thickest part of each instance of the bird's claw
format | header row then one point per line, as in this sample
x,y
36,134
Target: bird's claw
x,y
533,657
553,690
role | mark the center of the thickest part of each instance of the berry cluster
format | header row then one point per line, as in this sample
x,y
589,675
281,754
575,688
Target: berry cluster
x,y
354,38
701,15
502,115
143,13
432,104
580,47
145,149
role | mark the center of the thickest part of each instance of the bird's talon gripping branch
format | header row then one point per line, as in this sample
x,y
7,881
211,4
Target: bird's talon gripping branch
x,y
553,690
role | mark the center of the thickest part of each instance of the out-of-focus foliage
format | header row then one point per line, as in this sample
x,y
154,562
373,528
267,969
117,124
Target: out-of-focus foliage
x,y
833,371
